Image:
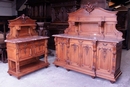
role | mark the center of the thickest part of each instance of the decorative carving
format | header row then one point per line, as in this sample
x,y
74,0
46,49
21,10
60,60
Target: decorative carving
x,y
89,7
93,43
68,61
105,44
23,18
27,46
104,53
74,47
62,45
87,49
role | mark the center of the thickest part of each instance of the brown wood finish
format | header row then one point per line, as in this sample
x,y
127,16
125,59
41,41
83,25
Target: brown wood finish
x,y
24,47
91,44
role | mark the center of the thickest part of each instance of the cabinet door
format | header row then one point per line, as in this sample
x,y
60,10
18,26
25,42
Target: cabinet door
x,y
39,47
105,55
25,50
87,52
61,51
74,53
81,56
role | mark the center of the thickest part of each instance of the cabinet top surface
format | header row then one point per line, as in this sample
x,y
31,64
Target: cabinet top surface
x,y
27,39
94,38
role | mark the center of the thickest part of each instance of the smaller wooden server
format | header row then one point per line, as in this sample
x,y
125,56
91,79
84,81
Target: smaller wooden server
x,y
24,47
91,44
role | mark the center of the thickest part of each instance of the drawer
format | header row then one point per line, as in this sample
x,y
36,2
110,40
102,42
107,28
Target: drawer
x,y
25,53
40,42
25,45
39,49
62,40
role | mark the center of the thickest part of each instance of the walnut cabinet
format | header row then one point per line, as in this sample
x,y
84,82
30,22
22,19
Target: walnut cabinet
x,y
24,47
91,44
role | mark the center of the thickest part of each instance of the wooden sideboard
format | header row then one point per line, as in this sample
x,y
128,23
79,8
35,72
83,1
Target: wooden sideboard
x,y
24,47
91,44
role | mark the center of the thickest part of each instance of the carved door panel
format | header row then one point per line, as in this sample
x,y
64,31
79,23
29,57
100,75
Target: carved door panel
x,y
25,50
74,53
87,55
39,47
105,57
61,49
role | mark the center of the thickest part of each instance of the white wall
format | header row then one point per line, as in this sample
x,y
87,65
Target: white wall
x,y
7,8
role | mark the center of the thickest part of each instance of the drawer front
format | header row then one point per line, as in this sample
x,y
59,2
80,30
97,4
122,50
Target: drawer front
x,y
40,42
39,47
31,49
25,45
25,50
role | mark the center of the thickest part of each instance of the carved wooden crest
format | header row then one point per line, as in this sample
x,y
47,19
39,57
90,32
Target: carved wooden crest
x,y
89,7
23,18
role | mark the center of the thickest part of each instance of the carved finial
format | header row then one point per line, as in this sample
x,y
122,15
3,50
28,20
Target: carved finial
x,y
23,17
89,7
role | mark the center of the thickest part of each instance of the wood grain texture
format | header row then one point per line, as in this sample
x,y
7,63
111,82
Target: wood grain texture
x,y
91,44
24,47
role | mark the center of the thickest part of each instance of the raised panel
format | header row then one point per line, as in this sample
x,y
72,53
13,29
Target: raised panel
x,y
86,28
39,47
104,58
25,53
61,50
22,45
74,51
87,55
11,52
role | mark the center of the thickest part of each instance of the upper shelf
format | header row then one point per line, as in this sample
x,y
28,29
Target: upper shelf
x,y
92,15
93,22
22,26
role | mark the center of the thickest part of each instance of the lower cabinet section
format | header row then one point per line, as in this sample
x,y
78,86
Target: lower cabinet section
x,y
81,56
61,51
24,69
108,60
23,57
94,58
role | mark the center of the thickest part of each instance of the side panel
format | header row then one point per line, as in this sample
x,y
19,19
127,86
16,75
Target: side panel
x,y
61,51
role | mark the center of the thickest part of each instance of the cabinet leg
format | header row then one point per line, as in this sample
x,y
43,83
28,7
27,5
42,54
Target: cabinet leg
x,y
112,82
68,69
93,77
10,74
46,67
18,78
56,66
